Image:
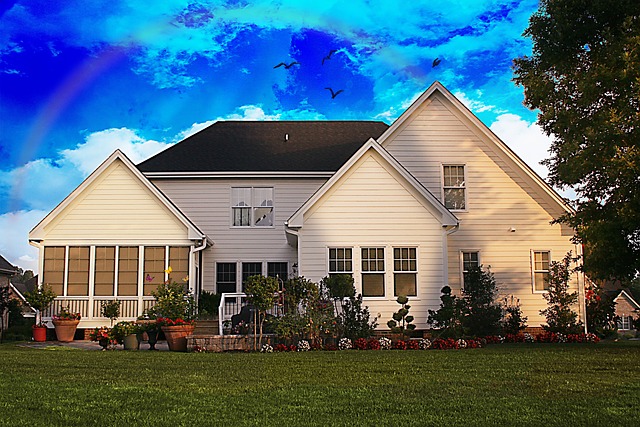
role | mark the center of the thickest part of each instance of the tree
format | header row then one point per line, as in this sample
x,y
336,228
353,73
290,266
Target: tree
x,y
484,314
40,299
401,322
601,312
559,313
5,304
584,78
448,318
262,293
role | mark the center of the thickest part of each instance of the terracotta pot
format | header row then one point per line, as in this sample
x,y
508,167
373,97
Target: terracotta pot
x,y
65,329
39,334
177,336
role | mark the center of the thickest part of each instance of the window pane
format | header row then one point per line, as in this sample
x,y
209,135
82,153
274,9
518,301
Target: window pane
x,y
373,285
154,267
405,284
340,260
78,281
104,271
54,268
241,217
541,281
128,271
179,263
226,277
250,269
278,269
263,216
454,198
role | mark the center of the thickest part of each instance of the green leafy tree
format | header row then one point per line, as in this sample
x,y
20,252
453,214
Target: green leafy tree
x,y
5,304
40,299
584,78
601,312
483,314
111,310
559,312
262,294
448,318
401,322
356,320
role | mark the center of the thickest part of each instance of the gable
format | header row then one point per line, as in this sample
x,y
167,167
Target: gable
x,y
116,203
437,129
372,182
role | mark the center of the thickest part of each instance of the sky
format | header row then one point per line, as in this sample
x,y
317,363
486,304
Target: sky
x,y
80,79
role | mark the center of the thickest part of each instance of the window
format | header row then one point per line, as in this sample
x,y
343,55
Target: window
x,y
252,207
179,263
372,272
278,269
540,270
625,323
340,261
250,269
405,268
78,280
53,274
104,271
226,277
470,260
454,187
153,268
128,270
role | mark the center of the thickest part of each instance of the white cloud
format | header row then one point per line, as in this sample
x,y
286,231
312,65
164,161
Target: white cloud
x,y
195,128
527,140
257,113
14,245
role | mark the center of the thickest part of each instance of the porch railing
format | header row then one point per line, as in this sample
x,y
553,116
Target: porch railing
x,y
90,308
232,303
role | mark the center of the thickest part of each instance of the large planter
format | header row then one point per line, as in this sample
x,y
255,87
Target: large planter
x,y
131,342
39,334
65,329
177,336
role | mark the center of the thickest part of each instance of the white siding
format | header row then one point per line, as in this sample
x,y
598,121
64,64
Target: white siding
x,y
499,197
372,206
207,202
116,208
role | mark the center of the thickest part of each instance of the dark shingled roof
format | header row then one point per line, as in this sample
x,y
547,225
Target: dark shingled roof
x,y
244,146
6,267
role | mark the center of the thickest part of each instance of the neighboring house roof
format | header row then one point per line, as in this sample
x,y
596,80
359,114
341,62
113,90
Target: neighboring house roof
x,y
624,294
447,218
27,286
38,232
266,146
6,268
502,150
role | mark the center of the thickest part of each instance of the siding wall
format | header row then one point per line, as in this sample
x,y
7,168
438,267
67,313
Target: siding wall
x,y
116,194
499,197
372,206
207,202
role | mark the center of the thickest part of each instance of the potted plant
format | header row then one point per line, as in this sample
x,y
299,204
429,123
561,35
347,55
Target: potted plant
x,y
149,329
111,310
175,308
126,333
40,299
102,336
66,323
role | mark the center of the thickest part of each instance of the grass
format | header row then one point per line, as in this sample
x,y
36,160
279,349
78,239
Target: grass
x,y
523,384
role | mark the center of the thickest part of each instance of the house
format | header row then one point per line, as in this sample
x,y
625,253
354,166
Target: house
x,y
6,272
627,309
404,209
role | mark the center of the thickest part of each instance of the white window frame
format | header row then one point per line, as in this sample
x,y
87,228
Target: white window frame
x,y
383,272
337,271
402,271
625,323
463,187
534,271
252,206
462,270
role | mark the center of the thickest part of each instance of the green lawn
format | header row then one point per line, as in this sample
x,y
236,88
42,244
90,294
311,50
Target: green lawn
x,y
511,385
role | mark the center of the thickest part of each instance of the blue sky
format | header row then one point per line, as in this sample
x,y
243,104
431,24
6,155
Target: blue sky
x,y
79,79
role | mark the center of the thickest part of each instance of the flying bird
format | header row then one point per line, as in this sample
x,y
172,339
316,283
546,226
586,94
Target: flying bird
x,y
334,94
331,52
287,66
436,62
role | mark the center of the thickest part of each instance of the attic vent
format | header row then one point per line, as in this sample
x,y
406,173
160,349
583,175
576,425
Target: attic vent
x,y
286,136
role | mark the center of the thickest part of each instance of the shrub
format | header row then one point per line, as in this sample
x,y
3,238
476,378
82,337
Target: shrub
x,y
424,344
401,322
385,343
360,344
399,345
373,344
345,344
355,319
601,316
483,315
559,314
208,304
413,345
448,318
513,321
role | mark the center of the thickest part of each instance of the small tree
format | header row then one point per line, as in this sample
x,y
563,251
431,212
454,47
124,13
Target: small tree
x,y
483,313
40,299
601,312
448,318
261,293
5,304
339,287
401,322
355,319
111,310
559,314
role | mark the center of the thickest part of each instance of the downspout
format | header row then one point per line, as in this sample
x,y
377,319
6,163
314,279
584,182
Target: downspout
x,y
295,233
192,251
445,251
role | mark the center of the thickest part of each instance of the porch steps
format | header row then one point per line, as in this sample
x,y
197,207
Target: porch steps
x,y
207,328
